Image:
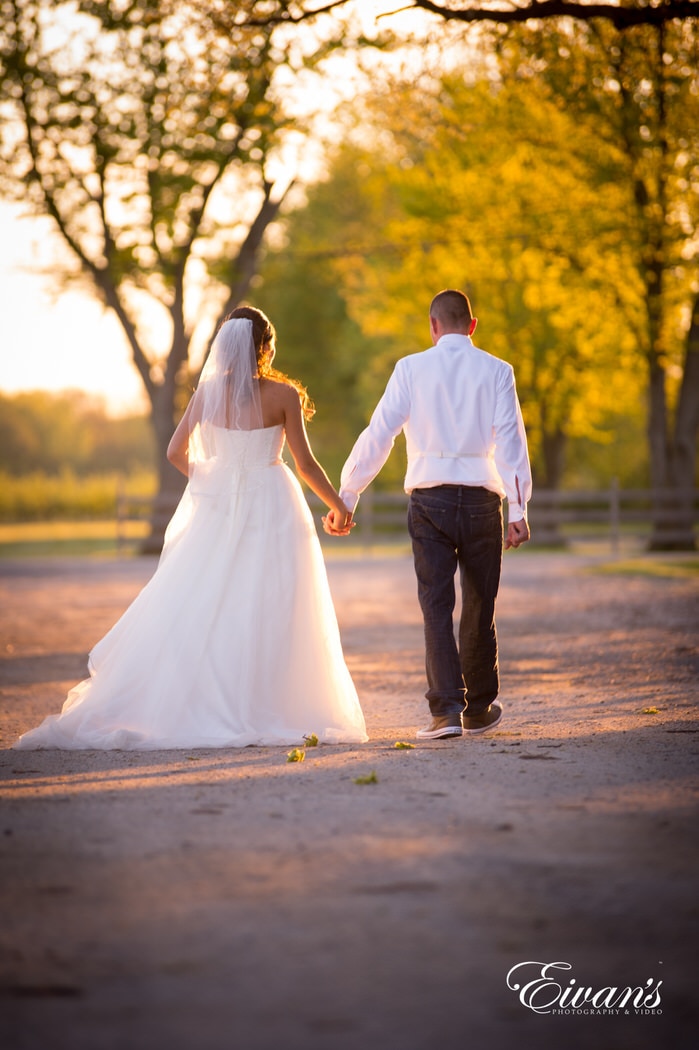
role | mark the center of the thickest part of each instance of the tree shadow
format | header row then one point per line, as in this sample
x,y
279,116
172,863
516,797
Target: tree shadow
x,y
44,667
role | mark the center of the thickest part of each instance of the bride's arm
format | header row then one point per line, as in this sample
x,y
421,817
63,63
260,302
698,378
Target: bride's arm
x,y
307,465
177,449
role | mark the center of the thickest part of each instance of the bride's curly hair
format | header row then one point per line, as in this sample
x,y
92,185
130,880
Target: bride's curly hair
x,y
264,337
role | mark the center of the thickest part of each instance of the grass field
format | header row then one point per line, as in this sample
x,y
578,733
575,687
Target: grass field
x,y
55,538
40,497
104,539
677,566
80,538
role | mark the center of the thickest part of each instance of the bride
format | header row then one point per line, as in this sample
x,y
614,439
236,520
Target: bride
x,y
234,641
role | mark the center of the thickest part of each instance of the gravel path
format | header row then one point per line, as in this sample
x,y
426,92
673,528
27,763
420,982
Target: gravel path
x,y
231,900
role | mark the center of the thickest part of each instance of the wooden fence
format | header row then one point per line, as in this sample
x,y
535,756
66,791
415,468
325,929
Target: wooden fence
x,y
560,517
557,518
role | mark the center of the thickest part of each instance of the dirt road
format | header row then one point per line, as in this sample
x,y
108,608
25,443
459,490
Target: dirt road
x,y
231,900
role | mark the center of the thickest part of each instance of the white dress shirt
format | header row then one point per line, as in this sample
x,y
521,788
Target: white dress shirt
x,y
463,425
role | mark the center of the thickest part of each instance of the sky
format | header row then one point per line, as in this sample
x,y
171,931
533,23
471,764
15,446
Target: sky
x,y
57,339
54,340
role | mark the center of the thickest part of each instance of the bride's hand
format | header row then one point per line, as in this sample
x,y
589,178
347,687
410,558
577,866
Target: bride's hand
x,y
338,523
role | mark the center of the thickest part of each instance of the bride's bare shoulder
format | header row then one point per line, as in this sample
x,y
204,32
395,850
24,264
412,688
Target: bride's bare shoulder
x,y
277,390
276,397
272,383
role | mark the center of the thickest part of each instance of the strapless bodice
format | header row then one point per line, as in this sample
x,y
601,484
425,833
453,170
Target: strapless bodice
x,y
249,448
225,458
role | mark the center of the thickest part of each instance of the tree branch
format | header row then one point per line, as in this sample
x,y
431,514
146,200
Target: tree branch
x,y
621,17
110,293
34,177
112,300
181,337
286,18
98,274
196,215
243,268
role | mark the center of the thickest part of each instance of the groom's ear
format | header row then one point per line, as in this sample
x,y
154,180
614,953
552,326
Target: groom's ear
x,y
472,326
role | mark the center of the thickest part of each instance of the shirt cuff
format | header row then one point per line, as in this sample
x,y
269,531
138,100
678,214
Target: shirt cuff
x,y
515,513
350,499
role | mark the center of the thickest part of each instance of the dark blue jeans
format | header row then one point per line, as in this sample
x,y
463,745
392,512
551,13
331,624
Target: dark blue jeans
x,y
458,526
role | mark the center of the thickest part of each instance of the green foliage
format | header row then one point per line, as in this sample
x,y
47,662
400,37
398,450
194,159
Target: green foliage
x,y
618,452
342,363
135,112
553,193
557,184
147,131
52,433
478,188
501,198
66,496
636,92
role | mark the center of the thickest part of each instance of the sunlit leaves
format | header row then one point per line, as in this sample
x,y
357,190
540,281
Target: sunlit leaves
x,y
524,189
496,190
132,114
640,97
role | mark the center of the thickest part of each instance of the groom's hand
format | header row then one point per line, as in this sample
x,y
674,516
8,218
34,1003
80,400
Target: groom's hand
x,y
517,534
336,524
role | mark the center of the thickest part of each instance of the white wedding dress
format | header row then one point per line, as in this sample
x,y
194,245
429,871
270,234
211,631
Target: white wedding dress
x,y
234,641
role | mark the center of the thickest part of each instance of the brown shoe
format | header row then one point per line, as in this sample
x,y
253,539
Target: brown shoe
x,y
445,725
484,721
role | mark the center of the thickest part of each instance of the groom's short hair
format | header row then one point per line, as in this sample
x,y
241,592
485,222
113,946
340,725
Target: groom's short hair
x,y
452,309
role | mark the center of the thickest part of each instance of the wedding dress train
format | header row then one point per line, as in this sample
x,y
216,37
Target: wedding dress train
x,y
234,641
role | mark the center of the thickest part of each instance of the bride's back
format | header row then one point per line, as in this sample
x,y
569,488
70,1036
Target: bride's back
x,y
272,398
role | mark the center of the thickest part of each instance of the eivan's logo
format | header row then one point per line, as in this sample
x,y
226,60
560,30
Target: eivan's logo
x,y
542,990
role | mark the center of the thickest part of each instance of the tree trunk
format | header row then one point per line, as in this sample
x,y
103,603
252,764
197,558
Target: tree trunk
x,y
683,450
673,459
687,419
242,269
671,455
553,447
545,528
171,483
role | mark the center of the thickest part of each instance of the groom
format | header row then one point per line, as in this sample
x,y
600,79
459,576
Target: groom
x,y
467,449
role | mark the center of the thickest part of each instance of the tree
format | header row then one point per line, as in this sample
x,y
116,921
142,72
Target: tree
x,y
48,433
147,130
318,340
619,15
637,91
586,178
478,186
631,13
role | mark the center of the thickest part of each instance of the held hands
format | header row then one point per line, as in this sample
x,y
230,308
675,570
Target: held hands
x,y
337,523
517,533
